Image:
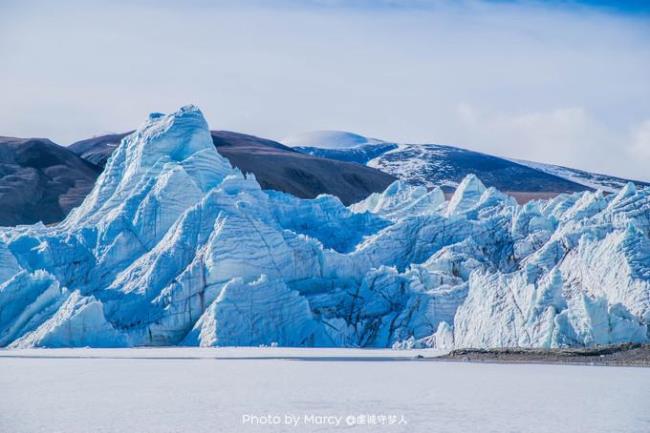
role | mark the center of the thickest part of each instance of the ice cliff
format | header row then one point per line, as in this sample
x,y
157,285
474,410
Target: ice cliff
x,y
174,246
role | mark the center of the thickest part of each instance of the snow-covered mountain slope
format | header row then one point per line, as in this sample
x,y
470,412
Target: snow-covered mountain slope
x,y
339,145
604,182
360,154
174,246
329,140
433,165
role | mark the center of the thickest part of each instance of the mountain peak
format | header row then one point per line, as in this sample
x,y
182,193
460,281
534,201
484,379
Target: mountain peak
x,y
176,145
176,135
329,140
468,193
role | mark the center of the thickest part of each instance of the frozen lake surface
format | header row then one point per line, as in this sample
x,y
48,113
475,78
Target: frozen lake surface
x,y
236,389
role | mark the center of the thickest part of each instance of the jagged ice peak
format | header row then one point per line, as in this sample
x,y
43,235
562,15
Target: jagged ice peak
x,y
175,246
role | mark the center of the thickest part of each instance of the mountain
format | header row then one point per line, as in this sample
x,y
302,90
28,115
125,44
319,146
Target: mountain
x,y
331,140
594,181
274,165
175,246
98,149
281,168
344,146
40,181
434,165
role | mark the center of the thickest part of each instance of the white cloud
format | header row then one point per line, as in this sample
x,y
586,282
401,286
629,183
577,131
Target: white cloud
x,y
551,135
554,84
640,148
565,136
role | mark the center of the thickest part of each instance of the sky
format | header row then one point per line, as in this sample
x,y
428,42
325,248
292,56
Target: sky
x,y
562,82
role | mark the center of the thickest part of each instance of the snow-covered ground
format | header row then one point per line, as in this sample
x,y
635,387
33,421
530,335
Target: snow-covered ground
x,y
221,390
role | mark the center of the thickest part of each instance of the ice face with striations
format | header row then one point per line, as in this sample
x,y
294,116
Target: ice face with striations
x,y
174,246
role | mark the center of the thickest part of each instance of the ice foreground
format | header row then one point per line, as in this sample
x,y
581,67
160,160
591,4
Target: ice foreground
x,y
175,247
211,390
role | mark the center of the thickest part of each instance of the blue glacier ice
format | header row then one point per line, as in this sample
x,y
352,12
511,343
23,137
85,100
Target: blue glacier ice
x,y
174,246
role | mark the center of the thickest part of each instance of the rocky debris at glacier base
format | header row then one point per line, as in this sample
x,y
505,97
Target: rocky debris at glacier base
x,y
626,354
174,246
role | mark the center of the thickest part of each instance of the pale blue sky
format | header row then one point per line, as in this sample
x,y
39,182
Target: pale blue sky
x,y
560,82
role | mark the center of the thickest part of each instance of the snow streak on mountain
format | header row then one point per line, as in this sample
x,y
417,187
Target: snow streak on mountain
x,y
433,165
173,246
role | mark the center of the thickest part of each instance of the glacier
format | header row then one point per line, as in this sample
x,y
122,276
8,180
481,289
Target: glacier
x,y
174,246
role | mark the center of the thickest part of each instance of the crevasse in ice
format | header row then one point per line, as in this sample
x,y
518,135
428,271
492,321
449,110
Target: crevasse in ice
x,y
175,247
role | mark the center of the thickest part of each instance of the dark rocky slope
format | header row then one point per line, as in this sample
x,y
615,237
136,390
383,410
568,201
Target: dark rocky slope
x,y
628,354
274,165
40,181
97,149
281,168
